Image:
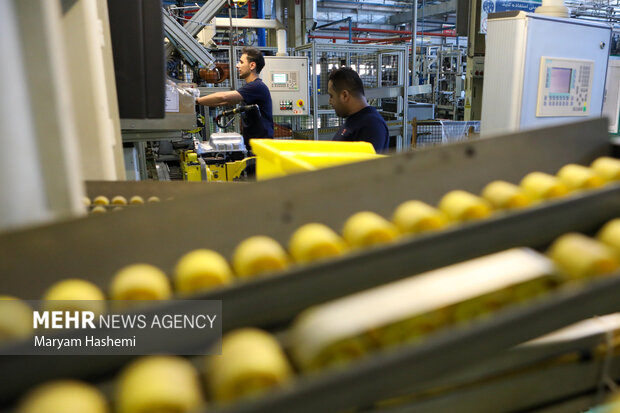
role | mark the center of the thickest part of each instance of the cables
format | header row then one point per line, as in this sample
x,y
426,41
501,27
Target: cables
x,y
226,113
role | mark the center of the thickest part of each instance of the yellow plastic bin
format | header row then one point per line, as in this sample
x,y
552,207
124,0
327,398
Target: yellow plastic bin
x,y
282,157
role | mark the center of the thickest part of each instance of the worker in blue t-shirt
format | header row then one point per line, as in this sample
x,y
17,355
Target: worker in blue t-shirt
x,y
255,124
363,123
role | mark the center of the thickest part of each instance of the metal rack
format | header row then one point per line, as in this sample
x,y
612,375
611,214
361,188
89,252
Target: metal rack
x,y
381,68
444,67
437,132
31,260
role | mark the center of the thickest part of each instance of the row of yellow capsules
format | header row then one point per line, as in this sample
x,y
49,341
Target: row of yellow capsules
x,y
253,362
102,203
203,269
259,254
409,310
414,217
316,241
535,187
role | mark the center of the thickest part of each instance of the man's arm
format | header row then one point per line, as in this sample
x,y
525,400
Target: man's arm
x,y
220,99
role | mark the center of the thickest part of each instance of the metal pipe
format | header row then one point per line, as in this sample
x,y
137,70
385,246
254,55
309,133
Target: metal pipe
x,y
260,14
385,40
370,30
248,23
357,4
365,29
414,29
326,6
422,23
346,19
314,36
315,103
350,31
378,39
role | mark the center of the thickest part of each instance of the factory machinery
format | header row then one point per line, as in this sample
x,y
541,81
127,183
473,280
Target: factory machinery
x,y
299,95
443,67
482,353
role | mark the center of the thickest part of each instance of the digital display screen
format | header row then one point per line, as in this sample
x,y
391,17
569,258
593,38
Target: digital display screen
x,y
560,80
279,78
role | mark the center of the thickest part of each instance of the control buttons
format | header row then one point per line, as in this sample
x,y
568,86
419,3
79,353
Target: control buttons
x,y
286,105
296,107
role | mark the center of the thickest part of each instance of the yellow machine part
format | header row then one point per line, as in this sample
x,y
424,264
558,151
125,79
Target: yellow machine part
x,y
192,173
228,171
225,171
190,167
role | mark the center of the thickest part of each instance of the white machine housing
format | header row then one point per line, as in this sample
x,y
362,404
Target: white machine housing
x,y
542,70
287,80
611,107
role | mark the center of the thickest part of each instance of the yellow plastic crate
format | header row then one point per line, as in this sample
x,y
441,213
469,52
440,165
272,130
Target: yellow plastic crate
x,y
283,157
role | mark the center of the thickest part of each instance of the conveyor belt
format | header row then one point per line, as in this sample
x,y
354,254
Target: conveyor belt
x,y
145,189
95,247
360,385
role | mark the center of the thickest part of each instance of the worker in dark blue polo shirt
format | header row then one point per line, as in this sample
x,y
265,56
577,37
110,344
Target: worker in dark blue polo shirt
x,y
255,124
363,122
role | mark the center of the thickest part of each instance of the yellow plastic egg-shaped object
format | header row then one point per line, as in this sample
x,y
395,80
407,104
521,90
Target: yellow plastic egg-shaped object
x,y
539,186
413,217
119,200
15,319
608,168
63,397
258,255
366,228
463,206
251,363
159,384
136,200
200,270
610,234
504,195
579,256
99,209
315,241
101,200
580,177
140,282
74,295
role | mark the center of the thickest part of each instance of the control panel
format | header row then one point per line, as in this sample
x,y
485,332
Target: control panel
x,y
287,80
478,66
564,87
283,80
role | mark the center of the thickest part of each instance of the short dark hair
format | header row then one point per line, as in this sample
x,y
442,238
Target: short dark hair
x,y
346,78
254,55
